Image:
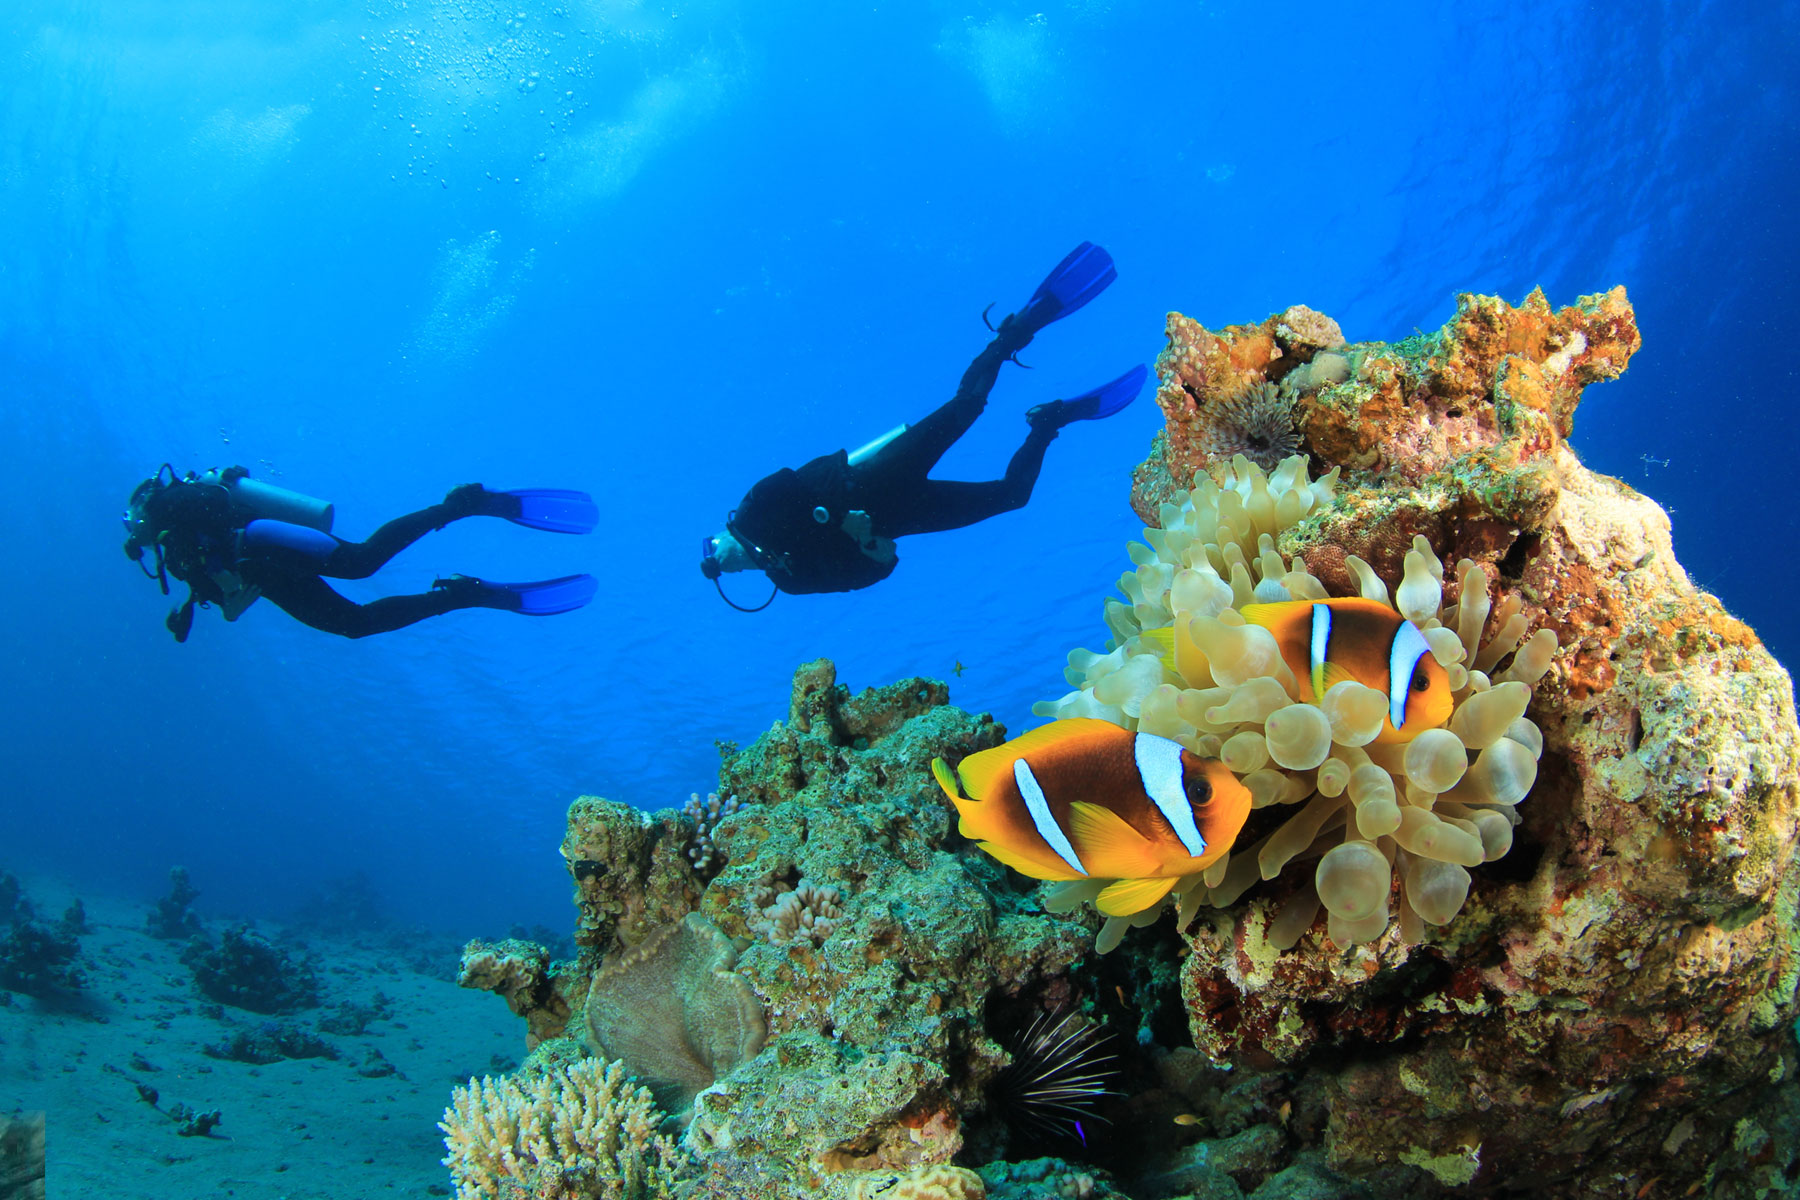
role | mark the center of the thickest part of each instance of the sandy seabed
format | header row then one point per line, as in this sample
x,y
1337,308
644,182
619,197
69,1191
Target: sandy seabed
x,y
299,1129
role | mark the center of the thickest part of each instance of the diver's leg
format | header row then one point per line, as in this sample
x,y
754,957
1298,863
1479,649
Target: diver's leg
x,y
311,601
359,560
934,505
925,441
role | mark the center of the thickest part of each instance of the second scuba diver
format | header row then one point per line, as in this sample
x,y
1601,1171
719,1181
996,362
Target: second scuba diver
x,y
830,525
233,539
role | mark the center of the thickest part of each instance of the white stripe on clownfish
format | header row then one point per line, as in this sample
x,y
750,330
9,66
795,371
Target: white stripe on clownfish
x,y
1159,768
1320,648
1403,658
1039,807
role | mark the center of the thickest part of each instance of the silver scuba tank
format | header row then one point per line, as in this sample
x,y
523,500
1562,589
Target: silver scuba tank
x,y
864,452
253,498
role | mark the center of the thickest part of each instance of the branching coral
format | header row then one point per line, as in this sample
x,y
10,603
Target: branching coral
x,y
1425,809
807,911
706,815
675,1012
581,1132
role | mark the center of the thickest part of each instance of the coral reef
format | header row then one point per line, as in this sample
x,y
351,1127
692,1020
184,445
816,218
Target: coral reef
x,y
352,1018
172,917
246,971
843,919
632,873
580,1131
1543,941
520,973
37,959
674,1012
271,1042
1610,1008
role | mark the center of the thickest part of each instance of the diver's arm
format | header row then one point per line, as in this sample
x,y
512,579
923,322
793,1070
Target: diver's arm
x,y
861,529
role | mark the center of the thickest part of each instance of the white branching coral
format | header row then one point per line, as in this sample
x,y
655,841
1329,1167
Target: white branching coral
x,y
706,815
579,1131
809,910
1185,664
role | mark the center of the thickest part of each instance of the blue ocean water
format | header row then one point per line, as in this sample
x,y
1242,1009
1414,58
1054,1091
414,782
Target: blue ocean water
x,y
656,251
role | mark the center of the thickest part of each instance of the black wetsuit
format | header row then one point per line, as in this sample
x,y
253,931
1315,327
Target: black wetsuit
x,y
202,541
776,519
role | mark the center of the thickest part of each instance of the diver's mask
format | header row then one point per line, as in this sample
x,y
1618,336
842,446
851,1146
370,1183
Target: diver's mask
x,y
142,531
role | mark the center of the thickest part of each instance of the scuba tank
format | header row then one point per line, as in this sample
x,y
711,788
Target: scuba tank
x,y
252,499
867,451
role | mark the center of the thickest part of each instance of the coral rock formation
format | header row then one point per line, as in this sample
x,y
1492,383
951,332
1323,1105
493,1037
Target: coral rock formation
x,y
520,973
1607,1014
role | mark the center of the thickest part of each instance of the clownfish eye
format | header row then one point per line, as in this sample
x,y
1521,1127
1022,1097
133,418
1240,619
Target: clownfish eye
x,y
1420,683
1198,787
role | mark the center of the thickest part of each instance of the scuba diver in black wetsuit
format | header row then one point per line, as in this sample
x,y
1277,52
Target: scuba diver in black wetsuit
x,y
233,539
830,525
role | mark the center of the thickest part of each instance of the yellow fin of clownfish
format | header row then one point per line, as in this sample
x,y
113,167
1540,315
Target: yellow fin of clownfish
x,y
982,771
1162,640
1129,896
1327,677
940,771
1107,843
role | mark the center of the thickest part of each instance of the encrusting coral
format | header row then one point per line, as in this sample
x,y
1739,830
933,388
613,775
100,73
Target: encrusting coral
x,y
576,1132
673,1010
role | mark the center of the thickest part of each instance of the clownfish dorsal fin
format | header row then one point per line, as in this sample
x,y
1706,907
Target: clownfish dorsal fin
x,y
1274,615
986,771
1129,896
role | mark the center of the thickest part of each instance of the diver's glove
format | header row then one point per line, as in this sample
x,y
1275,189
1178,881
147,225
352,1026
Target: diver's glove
x,y
181,620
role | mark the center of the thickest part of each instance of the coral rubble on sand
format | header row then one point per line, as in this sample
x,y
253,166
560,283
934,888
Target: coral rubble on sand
x,y
1547,944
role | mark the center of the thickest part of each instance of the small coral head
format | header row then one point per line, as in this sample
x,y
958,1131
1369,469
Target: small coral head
x,y
1059,1074
1082,799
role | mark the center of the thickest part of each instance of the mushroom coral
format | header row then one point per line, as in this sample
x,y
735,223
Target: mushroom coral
x,y
1184,663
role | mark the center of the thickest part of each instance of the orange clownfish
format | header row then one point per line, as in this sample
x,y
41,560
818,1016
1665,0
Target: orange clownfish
x,y
1084,799
1326,641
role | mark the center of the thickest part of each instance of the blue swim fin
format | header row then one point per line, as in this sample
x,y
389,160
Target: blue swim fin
x,y
554,509
550,596
1094,405
541,599
1084,274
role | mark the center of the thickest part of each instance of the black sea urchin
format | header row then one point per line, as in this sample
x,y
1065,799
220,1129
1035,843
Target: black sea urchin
x,y
1256,422
1058,1074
